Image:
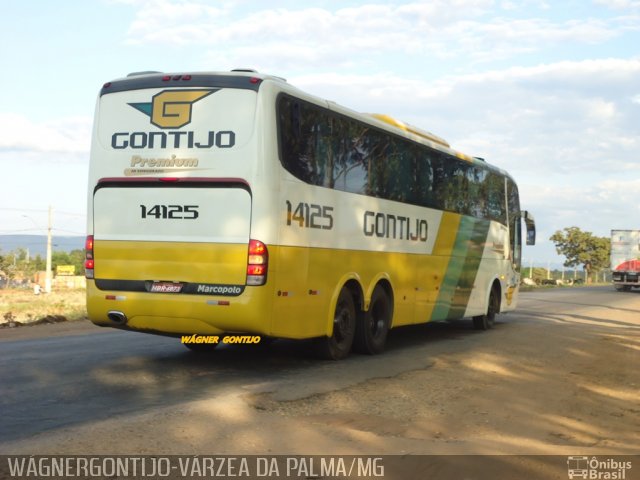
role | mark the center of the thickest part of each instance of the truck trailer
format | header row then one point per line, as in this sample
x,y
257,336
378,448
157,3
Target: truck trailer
x,y
625,259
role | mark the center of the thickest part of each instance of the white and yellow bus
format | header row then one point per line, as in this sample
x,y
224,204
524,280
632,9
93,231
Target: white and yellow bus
x,y
234,203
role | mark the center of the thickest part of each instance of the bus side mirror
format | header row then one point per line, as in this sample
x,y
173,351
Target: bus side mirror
x,y
530,223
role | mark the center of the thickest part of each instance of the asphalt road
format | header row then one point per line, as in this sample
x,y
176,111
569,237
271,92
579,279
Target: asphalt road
x,y
91,374
48,383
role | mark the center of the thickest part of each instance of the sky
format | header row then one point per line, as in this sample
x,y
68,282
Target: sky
x,y
549,91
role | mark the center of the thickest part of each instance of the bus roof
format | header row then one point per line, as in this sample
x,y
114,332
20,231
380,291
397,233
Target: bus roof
x,y
246,78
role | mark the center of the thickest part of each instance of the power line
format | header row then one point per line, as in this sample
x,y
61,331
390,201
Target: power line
x,y
5,232
71,214
23,209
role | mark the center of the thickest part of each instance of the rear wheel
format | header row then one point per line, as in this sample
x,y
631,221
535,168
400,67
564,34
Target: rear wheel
x,y
373,326
486,321
338,345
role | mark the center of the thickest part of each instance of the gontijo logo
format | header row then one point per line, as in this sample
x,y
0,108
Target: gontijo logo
x,y
172,108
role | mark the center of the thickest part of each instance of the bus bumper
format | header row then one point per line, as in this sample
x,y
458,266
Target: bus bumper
x,y
180,314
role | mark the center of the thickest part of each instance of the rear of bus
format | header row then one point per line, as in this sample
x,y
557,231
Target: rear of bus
x,y
172,186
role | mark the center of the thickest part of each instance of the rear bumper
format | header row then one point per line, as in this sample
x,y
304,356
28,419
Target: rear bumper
x,y
182,314
626,278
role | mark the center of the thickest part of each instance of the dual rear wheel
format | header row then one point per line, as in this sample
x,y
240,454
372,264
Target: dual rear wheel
x,y
338,345
372,329
365,332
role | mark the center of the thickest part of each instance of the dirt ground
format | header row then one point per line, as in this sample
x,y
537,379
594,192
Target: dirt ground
x,y
22,305
560,377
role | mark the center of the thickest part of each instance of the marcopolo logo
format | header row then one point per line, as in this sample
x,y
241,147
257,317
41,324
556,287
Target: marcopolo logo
x,y
172,108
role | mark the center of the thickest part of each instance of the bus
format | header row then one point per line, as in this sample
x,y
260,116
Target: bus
x,y
232,203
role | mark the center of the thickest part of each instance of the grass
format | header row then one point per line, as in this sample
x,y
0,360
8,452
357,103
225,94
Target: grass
x,y
24,306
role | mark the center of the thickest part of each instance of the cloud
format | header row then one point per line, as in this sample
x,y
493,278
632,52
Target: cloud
x,y
593,207
307,37
619,4
538,106
568,132
178,23
66,136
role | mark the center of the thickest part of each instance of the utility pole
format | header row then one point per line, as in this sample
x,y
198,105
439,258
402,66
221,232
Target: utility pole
x,y
531,268
548,270
47,281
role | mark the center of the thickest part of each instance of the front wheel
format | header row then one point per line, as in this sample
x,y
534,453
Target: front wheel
x,y
338,345
486,321
373,326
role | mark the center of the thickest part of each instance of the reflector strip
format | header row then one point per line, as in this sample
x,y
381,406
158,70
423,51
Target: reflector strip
x,y
115,297
221,303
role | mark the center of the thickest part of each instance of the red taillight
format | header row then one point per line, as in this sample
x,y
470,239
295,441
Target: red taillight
x,y
257,263
89,262
256,247
175,78
256,269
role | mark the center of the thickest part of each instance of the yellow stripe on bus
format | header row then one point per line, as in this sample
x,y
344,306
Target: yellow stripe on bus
x,y
179,261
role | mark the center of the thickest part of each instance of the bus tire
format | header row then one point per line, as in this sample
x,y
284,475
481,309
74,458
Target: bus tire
x,y
338,345
486,321
372,327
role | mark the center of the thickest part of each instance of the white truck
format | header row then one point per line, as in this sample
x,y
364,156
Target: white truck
x,y
625,259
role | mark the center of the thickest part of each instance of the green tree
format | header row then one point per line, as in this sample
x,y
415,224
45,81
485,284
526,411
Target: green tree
x,y
17,264
75,258
3,266
24,264
59,258
39,263
582,248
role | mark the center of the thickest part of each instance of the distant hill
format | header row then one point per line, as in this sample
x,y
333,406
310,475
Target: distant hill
x,y
37,244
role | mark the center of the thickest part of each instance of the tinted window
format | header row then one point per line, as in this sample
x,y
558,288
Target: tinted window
x,y
329,150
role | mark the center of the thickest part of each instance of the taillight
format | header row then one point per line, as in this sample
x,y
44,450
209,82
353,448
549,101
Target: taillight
x,y
257,263
89,262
